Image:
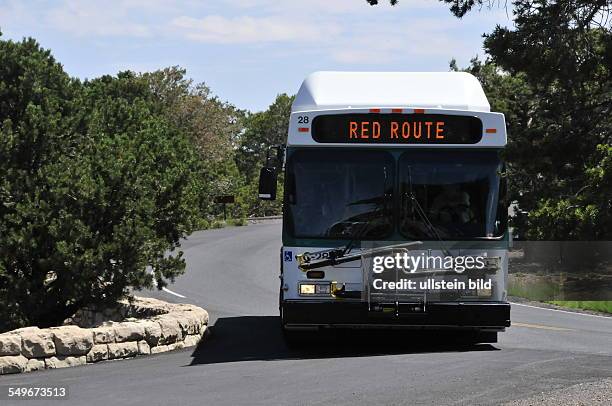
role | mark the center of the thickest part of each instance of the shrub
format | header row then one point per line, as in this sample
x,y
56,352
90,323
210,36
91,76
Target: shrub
x,y
96,187
217,224
239,222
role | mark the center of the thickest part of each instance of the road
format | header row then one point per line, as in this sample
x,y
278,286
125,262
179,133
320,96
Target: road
x,y
233,273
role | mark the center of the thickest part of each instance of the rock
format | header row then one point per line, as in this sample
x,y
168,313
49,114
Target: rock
x,y
191,340
35,364
171,330
122,350
202,314
103,335
190,322
13,364
143,348
153,332
24,330
179,345
10,344
62,361
159,348
72,340
37,343
129,331
98,352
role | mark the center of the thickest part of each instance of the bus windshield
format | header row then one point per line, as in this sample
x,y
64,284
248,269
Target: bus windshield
x,y
366,194
449,195
339,193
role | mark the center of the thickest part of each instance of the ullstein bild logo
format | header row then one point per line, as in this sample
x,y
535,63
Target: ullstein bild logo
x,y
410,264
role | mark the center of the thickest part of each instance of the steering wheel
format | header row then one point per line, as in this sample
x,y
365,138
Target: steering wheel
x,y
344,229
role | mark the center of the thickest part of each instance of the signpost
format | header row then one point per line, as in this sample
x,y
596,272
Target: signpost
x,y
224,200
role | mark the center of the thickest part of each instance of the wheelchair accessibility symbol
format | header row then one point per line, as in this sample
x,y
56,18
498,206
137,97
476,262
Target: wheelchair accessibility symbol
x,y
288,256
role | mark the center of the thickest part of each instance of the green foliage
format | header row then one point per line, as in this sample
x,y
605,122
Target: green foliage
x,y
604,306
96,187
263,130
212,125
239,222
217,224
254,207
585,215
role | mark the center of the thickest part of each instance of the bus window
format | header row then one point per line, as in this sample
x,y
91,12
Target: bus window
x,y
333,193
449,195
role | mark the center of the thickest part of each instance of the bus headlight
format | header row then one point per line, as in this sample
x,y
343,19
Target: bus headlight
x,y
307,289
319,288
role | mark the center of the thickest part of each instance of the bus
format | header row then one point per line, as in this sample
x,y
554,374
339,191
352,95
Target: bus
x,y
393,185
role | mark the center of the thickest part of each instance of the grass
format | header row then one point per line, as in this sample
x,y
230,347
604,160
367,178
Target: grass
x,y
217,224
604,306
544,289
230,222
238,222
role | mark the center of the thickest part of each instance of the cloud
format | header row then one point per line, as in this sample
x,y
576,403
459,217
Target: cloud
x,y
96,19
323,32
327,6
247,29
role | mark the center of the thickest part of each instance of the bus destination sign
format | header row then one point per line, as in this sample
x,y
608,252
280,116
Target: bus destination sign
x,y
395,128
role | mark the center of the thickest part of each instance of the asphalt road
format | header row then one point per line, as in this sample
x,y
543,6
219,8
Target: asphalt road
x,y
233,273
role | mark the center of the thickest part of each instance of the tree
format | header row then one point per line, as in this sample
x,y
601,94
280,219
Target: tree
x,y
563,50
96,188
37,126
263,130
212,125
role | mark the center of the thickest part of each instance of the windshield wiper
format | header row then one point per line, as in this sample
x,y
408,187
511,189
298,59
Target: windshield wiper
x,y
339,255
306,265
380,206
334,256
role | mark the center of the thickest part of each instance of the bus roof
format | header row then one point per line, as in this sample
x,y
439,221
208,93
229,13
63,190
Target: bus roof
x,y
438,90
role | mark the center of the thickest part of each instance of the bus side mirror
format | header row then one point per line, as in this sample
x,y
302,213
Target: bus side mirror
x,y
267,183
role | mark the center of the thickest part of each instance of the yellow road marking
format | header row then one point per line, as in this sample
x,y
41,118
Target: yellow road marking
x,y
541,327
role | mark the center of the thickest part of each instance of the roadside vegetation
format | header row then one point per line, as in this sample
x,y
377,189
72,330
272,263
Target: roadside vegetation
x,y
595,305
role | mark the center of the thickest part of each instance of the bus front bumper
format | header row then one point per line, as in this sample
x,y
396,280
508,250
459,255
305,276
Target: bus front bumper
x,y
483,316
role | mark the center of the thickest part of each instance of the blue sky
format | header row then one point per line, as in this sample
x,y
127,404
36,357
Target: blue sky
x,y
248,51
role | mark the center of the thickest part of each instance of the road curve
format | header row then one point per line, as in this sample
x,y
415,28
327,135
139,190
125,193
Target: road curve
x,y
233,272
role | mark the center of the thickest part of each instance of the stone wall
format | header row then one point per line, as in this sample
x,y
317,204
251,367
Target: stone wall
x,y
148,326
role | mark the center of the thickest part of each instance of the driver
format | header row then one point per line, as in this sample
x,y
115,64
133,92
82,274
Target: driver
x,y
452,205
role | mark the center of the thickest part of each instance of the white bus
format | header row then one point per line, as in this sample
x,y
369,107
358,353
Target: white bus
x,y
384,163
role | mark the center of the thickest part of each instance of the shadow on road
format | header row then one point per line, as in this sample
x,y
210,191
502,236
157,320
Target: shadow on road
x,y
259,338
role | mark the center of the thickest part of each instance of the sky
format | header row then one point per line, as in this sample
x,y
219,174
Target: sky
x,y
248,51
